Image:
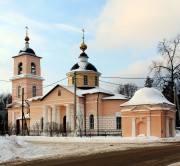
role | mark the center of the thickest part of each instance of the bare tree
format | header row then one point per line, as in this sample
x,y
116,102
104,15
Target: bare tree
x,y
167,70
5,98
127,89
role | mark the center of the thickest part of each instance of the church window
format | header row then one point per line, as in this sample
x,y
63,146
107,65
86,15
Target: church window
x,y
19,91
73,79
59,92
33,91
96,81
20,68
33,68
91,121
42,123
118,123
85,80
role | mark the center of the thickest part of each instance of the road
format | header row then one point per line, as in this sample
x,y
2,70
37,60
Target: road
x,y
149,156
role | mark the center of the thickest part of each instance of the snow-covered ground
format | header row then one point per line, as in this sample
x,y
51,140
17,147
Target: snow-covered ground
x,y
18,148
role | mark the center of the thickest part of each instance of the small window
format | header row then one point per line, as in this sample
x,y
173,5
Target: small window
x,y
59,92
118,123
20,68
33,91
96,81
33,68
85,80
91,121
73,79
42,123
19,91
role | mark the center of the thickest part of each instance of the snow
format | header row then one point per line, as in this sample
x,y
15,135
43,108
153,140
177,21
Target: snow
x,y
147,96
35,98
81,92
24,148
82,66
96,90
115,97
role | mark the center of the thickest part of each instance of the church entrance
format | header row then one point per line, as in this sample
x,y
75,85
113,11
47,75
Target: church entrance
x,y
64,124
17,127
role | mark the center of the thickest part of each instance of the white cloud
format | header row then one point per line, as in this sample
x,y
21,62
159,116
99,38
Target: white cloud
x,y
137,23
135,73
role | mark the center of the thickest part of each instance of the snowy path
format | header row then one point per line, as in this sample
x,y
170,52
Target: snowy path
x,y
26,148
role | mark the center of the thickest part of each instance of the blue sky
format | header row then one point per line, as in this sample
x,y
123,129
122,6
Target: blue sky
x,y
121,35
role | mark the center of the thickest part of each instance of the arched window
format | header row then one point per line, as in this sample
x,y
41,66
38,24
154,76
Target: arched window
x,y
118,123
20,68
91,121
59,92
96,81
33,68
85,80
19,91
33,91
42,123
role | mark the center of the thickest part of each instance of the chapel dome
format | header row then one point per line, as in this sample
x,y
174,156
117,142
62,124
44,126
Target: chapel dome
x,y
147,96
83,66
27,50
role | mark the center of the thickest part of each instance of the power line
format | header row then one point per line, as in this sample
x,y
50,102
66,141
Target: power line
x,y
45,86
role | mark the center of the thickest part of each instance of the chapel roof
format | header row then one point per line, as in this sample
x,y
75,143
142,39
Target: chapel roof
x,y
147,96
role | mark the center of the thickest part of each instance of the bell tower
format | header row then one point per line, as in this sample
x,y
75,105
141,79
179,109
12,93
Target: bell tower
x,y
27,73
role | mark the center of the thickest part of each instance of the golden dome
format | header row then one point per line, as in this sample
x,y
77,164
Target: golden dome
x,y
26,39
83,47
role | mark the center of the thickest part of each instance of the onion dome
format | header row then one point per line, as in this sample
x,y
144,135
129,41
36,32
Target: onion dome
x,y
83,63
82,66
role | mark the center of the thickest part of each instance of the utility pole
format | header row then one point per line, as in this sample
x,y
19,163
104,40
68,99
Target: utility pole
x,y
75,101
98,114
176,100
22,110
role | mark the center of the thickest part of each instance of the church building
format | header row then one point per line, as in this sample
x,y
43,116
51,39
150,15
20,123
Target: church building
x,y
81,107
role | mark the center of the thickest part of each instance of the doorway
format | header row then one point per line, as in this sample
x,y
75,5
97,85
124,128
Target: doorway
x,y
64,124
17,127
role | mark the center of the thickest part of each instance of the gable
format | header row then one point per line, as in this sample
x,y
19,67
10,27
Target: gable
x,y
58,94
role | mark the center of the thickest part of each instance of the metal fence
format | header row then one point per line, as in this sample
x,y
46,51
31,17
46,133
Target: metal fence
x,y
60,133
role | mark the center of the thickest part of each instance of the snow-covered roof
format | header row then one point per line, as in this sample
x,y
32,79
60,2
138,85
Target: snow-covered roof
x,y
17,102
71,89
147,96
35,98
81,92
95,90
115,97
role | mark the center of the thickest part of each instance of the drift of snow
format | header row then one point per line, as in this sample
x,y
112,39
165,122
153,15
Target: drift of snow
x,y
14,148
18,148
147,96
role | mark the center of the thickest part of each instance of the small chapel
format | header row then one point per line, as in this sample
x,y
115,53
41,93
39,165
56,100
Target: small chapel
x,y
82,107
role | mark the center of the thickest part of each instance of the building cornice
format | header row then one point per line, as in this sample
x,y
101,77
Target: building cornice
x,y
83,71
16,77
